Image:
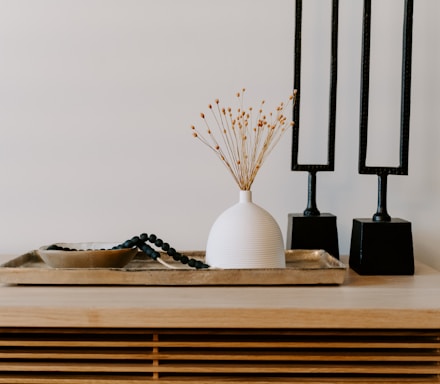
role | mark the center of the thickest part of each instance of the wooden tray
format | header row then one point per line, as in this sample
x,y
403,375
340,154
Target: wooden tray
x,y
303,267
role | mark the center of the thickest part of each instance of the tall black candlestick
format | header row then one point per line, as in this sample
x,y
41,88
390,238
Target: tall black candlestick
x,y
313,230
383,245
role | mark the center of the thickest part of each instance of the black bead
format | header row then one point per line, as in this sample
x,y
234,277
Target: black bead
x,y
143,237
184,259
177,256
158,243
199,264
192,263
127,244
165,247
152,238
171,252
155,254
135,240
142,247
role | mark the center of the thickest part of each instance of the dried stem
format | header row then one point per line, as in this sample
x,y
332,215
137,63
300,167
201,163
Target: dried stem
x,y
241,141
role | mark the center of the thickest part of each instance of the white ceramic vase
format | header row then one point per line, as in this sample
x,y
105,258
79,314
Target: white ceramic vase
x,y
245,236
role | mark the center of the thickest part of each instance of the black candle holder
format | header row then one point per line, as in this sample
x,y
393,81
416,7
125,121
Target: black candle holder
x,y
312,229
383,245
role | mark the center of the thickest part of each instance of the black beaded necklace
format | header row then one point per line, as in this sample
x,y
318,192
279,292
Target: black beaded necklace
x,y
141,243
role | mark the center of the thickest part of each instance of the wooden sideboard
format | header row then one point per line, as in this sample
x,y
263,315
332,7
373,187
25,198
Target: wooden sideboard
x,y
371,329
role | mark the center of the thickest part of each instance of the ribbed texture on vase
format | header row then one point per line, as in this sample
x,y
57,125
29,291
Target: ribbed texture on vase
x,y
245,236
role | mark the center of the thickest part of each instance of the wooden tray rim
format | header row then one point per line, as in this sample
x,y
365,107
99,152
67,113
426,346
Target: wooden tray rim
x,y
15,271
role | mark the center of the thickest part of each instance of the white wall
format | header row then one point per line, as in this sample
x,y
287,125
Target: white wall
x,y
97,97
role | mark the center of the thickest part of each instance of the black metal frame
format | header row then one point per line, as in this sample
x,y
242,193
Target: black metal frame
x,y
312,209
382,172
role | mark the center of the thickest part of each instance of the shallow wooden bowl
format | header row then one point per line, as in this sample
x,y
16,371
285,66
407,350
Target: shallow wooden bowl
x,y
87,255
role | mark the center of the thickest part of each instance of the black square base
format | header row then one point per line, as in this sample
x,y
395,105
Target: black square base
x,y
381,248
313,232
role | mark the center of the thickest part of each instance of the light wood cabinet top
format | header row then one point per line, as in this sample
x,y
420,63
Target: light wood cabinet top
x,y
361,302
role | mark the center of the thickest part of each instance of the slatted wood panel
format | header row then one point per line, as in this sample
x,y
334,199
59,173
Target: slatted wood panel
x,y
174,356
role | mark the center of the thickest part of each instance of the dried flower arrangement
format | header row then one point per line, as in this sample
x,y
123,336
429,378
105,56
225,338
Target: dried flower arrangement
x,y
243,141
